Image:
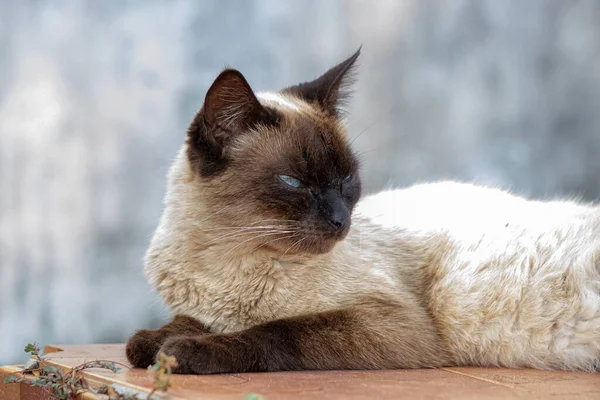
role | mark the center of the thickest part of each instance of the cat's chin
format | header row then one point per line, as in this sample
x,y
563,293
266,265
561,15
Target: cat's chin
x,y
325,246
316,246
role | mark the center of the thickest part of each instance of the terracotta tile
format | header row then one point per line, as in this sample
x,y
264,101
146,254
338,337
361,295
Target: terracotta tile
x,y
449,383
539,384
10,391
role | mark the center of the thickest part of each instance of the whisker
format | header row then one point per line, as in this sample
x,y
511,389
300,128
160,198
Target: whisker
x,y
211,215
273,240
242,227
363,131
247,240
279,224
235,234
294,244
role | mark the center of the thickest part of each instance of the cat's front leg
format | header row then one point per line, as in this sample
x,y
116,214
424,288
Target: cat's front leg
x,y
143,347
373,335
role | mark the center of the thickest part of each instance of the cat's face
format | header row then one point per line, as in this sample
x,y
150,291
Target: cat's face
x,y
277,170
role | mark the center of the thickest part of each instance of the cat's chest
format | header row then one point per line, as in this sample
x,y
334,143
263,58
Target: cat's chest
x,y
251,295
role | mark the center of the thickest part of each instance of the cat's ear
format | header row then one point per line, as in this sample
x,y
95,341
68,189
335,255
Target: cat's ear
x,y
230,105
230,109
331,90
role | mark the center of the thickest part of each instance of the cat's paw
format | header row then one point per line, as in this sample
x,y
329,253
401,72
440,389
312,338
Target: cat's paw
x,y
142,348
213,354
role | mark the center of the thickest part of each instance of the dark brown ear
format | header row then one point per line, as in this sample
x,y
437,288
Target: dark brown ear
x,y
330,90
230,109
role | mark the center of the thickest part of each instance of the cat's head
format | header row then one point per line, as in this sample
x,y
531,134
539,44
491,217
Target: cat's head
x,y
276,169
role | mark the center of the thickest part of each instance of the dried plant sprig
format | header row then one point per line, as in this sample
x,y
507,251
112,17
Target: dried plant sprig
x,y
163,369
67,385
57,383
104,364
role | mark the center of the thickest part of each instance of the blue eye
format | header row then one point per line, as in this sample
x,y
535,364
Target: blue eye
x,y
347,179
293,182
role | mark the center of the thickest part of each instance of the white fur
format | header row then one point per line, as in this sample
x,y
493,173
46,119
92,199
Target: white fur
x,y
280,100
520,281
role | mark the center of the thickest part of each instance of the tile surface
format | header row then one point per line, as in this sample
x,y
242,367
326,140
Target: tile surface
x,y
445,383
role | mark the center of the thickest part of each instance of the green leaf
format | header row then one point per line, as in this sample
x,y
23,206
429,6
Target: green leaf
x,y
33,349
10,379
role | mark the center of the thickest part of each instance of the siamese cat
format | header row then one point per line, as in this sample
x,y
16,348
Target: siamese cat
x,y
270,261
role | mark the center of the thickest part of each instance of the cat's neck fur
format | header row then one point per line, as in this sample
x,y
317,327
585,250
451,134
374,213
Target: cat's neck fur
x,y
210,274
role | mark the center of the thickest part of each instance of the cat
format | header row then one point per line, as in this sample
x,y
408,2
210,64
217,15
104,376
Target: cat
x,y
270,261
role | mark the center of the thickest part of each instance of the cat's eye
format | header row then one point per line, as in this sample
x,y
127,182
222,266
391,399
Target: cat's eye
x,y
347,179
290,181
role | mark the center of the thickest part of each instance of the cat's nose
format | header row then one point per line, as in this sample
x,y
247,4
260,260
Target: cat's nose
x,y
337,219
335,211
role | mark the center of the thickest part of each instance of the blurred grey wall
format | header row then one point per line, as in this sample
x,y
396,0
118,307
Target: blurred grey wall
x,y
95,97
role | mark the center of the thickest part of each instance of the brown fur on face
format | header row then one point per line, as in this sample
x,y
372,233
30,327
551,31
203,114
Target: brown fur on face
x,y
239,148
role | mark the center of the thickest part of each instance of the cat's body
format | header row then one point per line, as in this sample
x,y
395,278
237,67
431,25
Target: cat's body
x,y
505,281
432,275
